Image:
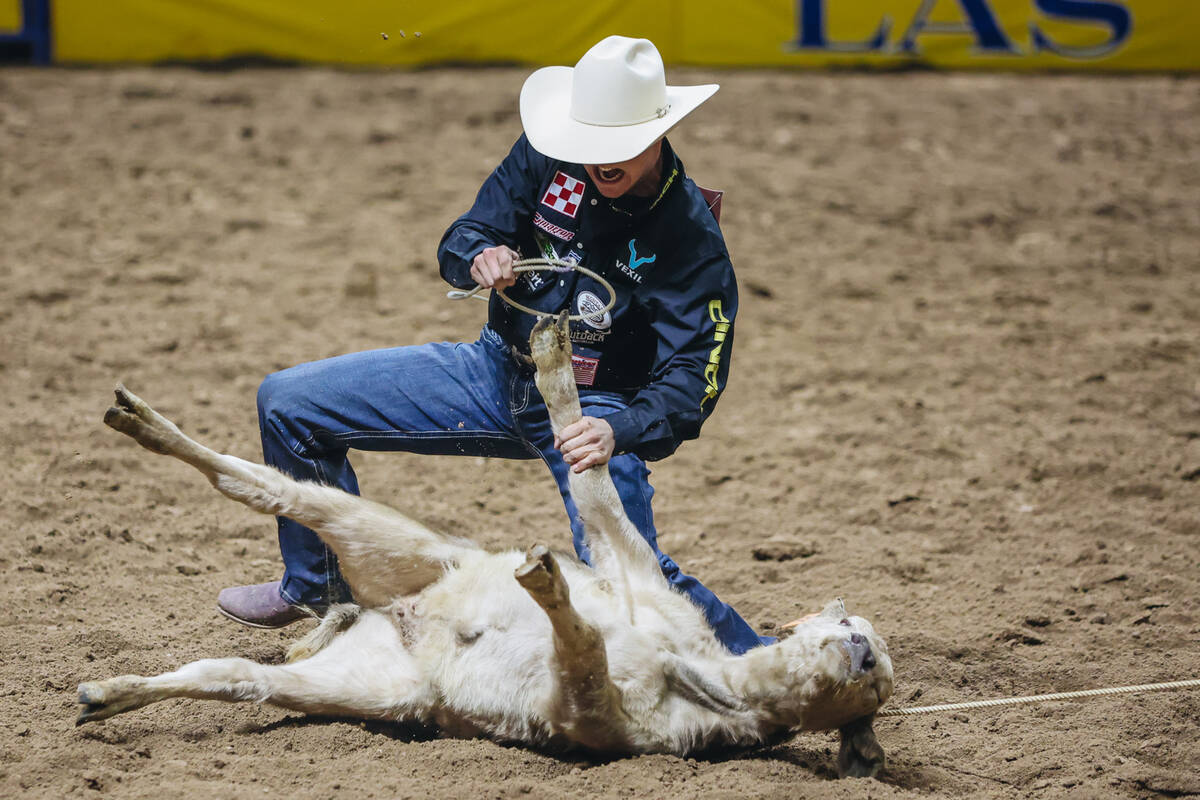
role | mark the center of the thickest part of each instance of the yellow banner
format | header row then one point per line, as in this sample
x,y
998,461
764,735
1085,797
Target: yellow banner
x,y
10,16
971,34
354,32
1111,35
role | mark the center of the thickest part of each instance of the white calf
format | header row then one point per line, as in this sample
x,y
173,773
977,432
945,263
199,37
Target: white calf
x,y
608,657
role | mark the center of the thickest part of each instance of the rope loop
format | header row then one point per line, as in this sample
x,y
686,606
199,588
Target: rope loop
x,y
544,265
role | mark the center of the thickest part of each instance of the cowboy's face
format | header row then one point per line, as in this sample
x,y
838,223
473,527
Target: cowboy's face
x,y
639,175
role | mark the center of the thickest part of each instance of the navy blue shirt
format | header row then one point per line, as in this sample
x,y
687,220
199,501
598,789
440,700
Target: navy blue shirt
x,y
666,344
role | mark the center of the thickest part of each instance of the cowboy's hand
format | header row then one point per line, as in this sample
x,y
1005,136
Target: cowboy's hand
x,y
493,268
585,444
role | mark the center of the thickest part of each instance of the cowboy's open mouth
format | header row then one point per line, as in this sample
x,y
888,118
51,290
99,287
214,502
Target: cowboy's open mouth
x,y
610,175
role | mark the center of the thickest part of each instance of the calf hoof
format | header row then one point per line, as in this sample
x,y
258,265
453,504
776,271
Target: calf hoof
x,y
137,420
550,343
104,699
539,568
541,578
92,698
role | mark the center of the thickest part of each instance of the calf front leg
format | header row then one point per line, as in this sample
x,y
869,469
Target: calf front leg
x,y
622,555
382,553
588,705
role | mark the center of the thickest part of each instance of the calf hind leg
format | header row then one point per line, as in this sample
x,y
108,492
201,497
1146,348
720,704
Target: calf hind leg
x,y
588,705
382,552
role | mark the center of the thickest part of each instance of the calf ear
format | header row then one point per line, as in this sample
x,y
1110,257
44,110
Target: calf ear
x,y
835,610
860,755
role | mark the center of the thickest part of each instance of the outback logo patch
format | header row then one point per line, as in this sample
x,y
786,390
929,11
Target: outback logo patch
x,y
552,229
564,194
591,308
584,369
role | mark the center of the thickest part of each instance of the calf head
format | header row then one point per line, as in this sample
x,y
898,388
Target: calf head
x,y
841,674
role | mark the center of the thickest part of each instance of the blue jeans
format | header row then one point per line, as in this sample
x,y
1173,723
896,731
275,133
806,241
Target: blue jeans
x,y
438,399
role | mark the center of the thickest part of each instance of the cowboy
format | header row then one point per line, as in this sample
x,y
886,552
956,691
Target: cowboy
x,y
593,181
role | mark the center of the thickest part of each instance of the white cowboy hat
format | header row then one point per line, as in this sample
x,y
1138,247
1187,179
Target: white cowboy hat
x,y
609,108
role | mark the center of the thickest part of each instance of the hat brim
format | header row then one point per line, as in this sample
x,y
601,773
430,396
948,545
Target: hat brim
x,y
545,114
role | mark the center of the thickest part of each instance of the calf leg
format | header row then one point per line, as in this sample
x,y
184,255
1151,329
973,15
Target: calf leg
x,y
621,554
382,552
365,672
588,706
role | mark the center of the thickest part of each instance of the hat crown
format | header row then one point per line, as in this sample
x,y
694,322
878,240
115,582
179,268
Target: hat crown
x,y
620,81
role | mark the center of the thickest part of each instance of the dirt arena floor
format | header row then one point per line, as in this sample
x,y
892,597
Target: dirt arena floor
x,y
965,397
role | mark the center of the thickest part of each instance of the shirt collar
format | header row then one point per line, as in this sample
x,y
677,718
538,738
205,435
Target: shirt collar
x,y
672,175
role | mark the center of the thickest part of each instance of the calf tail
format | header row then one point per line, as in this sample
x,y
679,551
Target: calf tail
x,y
337,619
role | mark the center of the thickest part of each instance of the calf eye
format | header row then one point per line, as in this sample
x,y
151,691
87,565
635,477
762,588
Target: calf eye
x,y
845,622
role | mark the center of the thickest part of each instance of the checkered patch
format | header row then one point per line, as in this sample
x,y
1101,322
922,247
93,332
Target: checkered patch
x,y
584,369
564,194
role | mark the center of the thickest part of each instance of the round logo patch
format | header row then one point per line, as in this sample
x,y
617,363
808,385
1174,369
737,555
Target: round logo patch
x,y
589,306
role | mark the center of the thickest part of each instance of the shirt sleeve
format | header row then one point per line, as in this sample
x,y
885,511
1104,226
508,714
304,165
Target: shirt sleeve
x,y
501,211
692,317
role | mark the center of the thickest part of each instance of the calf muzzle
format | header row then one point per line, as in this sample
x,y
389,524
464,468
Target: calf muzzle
x,y
861,657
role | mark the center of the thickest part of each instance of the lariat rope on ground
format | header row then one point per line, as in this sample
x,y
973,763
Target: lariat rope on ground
x,y
541,265
1036,698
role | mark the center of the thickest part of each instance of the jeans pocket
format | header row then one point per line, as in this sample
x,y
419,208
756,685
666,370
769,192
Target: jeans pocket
x,y
518,394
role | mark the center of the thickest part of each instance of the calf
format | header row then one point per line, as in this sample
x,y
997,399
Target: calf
x,y
536,648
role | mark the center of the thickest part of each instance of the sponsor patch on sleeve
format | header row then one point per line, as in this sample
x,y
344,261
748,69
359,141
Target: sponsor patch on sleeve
x,y
564,194
584,369
720,331
552,229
